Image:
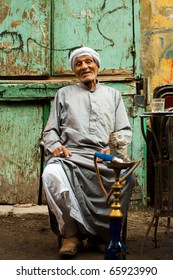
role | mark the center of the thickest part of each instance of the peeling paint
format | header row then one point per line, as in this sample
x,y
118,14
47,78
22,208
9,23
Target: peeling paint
x,y
87,14
26,50
5,6
166,12
157,45
14,24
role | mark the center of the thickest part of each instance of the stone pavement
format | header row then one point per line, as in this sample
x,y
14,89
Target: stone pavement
x,y
25,233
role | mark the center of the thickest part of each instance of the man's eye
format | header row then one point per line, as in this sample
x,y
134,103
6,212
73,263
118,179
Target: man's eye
x,y
89,61
78,64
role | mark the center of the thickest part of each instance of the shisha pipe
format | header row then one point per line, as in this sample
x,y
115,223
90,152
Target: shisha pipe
x,y
116,249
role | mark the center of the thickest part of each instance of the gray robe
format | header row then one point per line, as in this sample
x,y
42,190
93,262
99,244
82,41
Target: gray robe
x,y
82,120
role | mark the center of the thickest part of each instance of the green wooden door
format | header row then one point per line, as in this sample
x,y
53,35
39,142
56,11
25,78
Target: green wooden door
x,y
24,110
36,38
106,26
25,37
20,125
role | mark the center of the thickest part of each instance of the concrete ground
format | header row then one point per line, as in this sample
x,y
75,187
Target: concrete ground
x,y
25,234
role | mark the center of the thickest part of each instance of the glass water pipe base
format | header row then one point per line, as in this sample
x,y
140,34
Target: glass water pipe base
x,y
115,251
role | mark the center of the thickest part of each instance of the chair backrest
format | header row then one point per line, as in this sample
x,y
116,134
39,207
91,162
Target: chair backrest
x,y
164,127
166,92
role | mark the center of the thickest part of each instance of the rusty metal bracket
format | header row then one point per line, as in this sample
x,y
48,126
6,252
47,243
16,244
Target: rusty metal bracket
x,y
142,92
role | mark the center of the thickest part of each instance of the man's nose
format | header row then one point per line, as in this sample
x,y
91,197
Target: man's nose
x,y
84,65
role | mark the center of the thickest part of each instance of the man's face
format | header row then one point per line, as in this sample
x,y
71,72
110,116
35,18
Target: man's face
x,y
85,68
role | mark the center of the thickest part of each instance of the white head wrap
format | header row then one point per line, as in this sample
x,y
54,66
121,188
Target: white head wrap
x,y
84,51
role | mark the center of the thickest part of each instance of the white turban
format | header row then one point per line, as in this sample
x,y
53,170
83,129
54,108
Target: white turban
x,y
84,51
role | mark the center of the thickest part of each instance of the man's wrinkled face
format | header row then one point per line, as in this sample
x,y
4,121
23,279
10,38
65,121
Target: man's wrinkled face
x,y
85,68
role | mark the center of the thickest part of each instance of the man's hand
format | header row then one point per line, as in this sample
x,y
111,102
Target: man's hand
x,y
61,151
104,151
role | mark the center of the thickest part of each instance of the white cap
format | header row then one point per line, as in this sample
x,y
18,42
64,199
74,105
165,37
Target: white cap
x,y
84,51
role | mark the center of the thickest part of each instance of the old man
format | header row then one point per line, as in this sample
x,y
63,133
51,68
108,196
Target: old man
x,y
80,122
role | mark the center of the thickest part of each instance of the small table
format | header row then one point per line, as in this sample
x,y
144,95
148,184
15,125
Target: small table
x,y
161,125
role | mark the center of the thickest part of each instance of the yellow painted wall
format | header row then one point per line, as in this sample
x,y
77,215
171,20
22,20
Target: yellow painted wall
x,y
157,41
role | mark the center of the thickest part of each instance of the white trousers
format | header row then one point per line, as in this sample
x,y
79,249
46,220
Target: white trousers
x,y
62,201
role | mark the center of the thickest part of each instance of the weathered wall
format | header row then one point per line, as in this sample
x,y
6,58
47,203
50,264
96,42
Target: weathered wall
x,y
35,40
157,41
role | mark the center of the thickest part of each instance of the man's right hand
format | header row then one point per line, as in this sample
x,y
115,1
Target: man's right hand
x,y
61,151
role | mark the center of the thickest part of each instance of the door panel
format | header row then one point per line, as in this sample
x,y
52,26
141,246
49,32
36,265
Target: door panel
x,y
25,37
21,125
105,26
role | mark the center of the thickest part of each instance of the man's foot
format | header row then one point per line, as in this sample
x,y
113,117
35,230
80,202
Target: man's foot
x,y
70,245
94,243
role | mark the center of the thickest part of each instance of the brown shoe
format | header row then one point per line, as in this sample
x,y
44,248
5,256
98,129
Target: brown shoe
x,y
95,244
70,245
